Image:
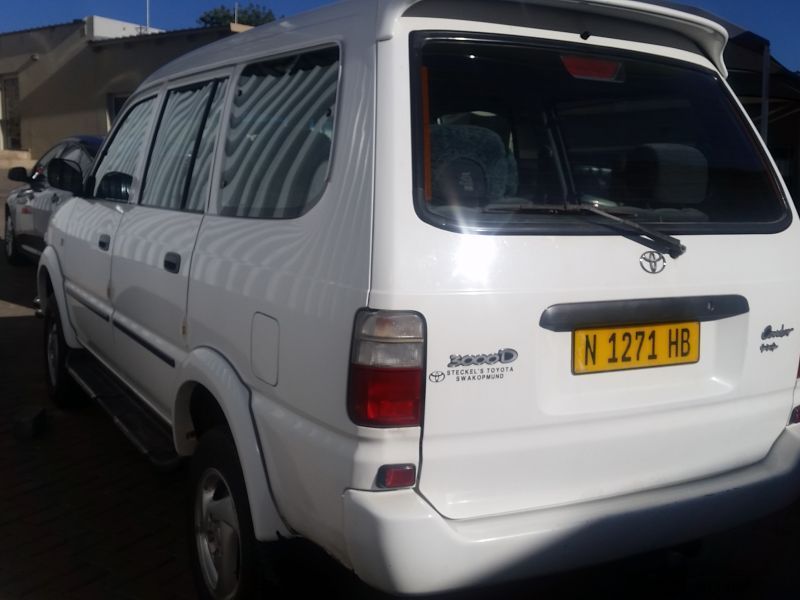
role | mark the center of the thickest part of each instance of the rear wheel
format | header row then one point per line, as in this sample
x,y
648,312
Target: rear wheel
x,y
12,252
223,548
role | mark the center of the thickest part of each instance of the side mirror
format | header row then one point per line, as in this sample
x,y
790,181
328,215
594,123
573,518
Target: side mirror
x,y
65,175
114,186
18,174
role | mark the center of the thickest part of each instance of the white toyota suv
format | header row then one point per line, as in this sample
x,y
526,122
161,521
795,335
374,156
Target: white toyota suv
x,y
459,291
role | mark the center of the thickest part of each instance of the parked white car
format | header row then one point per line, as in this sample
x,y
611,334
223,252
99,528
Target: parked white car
x,y
28,207
459,291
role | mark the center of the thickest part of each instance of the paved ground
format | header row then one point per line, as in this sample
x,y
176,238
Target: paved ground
x,y
83,516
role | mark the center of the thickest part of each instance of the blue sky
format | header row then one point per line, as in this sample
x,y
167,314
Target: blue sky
x,y
777,20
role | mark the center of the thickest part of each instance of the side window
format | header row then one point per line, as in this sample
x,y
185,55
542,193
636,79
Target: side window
x,y
39,171
201,174
182,149
113,177
77,154
280,136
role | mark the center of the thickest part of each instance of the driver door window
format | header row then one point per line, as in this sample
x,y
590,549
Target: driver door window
x,y
39,171
113,177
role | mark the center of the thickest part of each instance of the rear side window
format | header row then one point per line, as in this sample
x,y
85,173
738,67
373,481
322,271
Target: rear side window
x,y
200,176
178,167
114,174
280,136
512,136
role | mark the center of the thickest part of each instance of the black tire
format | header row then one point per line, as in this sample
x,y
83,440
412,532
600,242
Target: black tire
x,y
13,256
60,385
222,540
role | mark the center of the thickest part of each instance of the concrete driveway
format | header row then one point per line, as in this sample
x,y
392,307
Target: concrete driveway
x,y
83,515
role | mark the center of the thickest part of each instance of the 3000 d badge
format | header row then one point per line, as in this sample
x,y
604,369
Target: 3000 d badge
x,y
503,356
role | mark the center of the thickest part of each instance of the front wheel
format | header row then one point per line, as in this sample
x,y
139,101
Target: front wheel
x,y
12,252
60,385
223,546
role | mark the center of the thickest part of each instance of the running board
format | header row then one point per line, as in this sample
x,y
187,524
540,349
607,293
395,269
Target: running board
x,y
148,432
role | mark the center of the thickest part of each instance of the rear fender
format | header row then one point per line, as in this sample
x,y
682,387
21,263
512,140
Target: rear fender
x,y
206,367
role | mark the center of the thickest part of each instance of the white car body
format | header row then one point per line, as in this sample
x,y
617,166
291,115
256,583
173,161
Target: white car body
x,y
522,468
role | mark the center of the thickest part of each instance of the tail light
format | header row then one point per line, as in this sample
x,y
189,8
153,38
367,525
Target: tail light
x,y
794,418
386,387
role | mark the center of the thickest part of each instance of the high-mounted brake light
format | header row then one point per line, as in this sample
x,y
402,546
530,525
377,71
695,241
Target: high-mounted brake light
x,y
594,69
386,387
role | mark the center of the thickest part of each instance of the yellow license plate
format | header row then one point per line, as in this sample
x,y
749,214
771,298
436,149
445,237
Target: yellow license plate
x,y
634,347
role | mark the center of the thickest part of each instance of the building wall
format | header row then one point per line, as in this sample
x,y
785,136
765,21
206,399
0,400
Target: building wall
x,y
21,52
67,78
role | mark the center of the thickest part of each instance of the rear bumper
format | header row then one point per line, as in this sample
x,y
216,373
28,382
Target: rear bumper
x,y
397,542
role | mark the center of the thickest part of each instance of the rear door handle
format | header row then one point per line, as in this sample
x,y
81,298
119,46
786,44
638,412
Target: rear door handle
x,y
172,262
104,242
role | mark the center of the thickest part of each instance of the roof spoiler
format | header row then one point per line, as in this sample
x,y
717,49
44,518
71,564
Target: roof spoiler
x,y
709,35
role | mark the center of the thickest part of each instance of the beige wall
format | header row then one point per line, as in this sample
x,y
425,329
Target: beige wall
x,y
65,87
17,49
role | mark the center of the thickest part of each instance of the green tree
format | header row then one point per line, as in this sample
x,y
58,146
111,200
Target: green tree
x,y
252,14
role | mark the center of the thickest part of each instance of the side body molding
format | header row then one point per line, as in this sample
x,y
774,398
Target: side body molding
x,y
49,267
206,367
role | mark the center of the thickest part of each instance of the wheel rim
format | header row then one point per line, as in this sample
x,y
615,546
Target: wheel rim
x,y
52,353
9,236
217,534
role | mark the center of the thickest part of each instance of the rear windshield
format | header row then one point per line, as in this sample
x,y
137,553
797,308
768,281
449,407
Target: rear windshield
x,y
508,134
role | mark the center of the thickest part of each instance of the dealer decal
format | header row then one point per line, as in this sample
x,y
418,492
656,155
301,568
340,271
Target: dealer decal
x,y
477,367
772,334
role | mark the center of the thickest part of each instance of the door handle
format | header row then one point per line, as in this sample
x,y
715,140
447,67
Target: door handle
x,y
54,199
104,242
172,262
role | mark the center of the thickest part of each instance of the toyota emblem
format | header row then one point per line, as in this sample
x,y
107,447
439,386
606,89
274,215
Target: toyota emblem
x,y
436,377
653,262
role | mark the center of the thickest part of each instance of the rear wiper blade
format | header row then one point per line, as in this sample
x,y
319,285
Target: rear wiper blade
x,y
672,245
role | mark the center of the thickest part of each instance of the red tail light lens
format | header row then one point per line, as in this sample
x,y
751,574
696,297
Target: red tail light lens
x,y
385,397
386,386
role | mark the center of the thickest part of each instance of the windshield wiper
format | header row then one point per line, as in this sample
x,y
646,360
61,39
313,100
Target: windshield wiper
x,y
671,245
